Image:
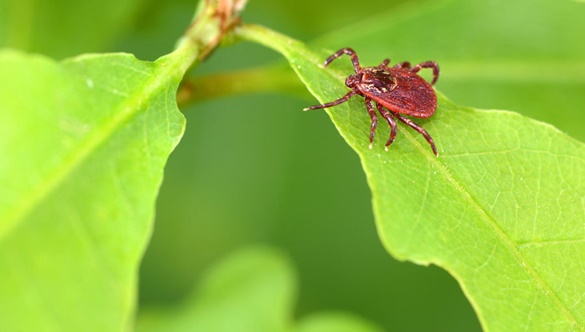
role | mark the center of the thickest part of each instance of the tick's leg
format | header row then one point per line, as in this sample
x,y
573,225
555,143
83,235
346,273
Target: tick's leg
x,y
388,116
354,58
428,64
384,63
418,128
404,65
374,120
333,103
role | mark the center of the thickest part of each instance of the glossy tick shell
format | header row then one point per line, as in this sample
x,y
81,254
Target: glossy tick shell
x,y
395,90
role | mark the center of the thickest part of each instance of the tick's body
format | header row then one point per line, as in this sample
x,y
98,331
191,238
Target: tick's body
x,y
395,90
399,90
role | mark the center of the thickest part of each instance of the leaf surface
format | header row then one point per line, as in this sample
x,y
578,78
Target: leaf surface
x,y
83,144
501,208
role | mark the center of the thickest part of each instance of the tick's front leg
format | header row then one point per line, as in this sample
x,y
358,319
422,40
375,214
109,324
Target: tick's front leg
x,y
403,65
333,103
354,58
384,64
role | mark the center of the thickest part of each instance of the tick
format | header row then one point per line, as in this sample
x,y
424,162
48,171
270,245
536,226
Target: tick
x,y
395,90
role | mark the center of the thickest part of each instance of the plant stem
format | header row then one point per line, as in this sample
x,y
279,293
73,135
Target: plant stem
x,y
213,19
274,78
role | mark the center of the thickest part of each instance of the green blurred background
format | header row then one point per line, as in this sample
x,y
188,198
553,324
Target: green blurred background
x,y
255,169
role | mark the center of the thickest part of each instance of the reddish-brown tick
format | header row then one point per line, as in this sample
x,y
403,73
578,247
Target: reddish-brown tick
x,y
396,90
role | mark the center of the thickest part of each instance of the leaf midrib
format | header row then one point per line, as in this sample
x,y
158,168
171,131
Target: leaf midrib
x,y
177,64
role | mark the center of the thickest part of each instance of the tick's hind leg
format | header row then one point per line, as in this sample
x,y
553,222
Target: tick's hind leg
x,y
333,103
418,128
374,118
428,64
391,122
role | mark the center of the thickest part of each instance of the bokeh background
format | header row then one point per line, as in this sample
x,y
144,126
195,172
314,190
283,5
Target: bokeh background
x,y
255,169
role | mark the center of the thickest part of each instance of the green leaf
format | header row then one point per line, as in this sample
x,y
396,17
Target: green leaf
x,y
83,144
63,28
335,322
501,208
252,290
